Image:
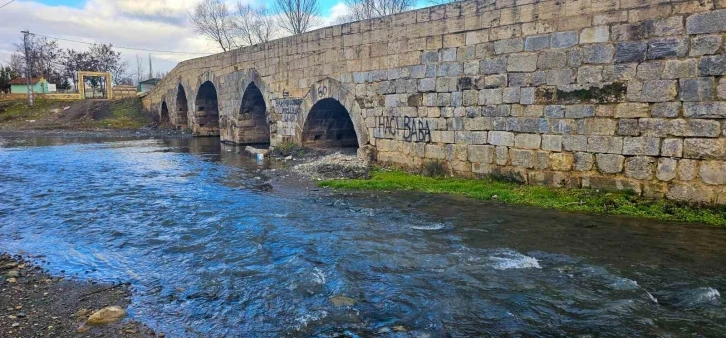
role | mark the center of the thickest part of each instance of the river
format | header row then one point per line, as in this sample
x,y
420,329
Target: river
x,y
212,251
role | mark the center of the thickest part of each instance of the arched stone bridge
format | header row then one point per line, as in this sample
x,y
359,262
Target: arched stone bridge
x,y
615,94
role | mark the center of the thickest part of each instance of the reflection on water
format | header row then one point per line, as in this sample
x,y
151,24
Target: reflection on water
x,y
212,255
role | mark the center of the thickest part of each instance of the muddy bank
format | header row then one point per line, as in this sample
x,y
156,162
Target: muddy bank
x,y
36,304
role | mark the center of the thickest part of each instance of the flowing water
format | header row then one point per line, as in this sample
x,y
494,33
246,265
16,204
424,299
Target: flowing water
x,y
211,251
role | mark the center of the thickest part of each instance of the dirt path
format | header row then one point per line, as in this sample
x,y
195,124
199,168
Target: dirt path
x,y
35,304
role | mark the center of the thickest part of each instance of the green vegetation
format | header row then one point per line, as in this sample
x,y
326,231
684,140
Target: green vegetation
x,y
575,200
125,114
12,110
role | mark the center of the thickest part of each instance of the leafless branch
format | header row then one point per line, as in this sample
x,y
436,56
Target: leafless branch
x,y
212,19
297,16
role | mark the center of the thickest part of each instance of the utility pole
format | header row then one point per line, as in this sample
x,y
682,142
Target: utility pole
x,y
28,68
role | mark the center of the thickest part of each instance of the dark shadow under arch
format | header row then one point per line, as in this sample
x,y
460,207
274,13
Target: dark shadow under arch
x,y
207,110
328,124
252,122
164,116
182,107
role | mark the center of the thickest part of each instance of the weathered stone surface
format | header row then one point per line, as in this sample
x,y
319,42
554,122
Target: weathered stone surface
x,y
596,34
694,128
552,142
106,315
610,163
552,59
708,22
650,70
721,91
713,65
598,53
659,91
713,172
574,142
666,170
528,141
522,158
597,126
641,146
583,161
541,160
501,138
667,48
698,89
640,167
508,46
561,161
665,109
481,153
632,110
560,77
672,147
605,144
536,42
680,69
619,72
563,39
630,51
527,95
628,127
705,44
525,62
702,148
579,111
689,193
496,65
705,110
589,74
687,170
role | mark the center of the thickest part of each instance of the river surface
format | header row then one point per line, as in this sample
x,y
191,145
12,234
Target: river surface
x,y
212,251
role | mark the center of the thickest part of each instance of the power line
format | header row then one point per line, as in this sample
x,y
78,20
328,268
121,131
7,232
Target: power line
x,y
11,1
129,48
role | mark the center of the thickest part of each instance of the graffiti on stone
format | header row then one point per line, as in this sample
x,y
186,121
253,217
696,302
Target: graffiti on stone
x,y
410,129
289,110
322,91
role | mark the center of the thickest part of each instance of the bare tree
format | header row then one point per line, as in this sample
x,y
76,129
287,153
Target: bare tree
x,y
139,70
253,25
441,2
211,19
368,9
297,16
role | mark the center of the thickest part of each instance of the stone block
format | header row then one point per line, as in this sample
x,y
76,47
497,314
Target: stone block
x,y
713,65
495,65
560,77
596,34
659,91
574,57
704,148
501,155
490,96
687,170
556,111
528,125
478,123
450,69
707,22
583,161
668,26
574,142
672,147
446,84
589,74
536,42
665,109
651,70
628,127
705,44
539,78
563,39
598,53
632,110
552,142
694,128
528,141
605,144
522,158
501,138
495,81
597,126
708,110
481,153
721,90
448,54
430,57
511,95
564,126
640,167
689,193
641,146
552,59
630,52
509,46
654,190
541,160
698,89
525,62
666,169
579,111
680,69
713,172
667,48
561,161
619,72
443,99
527,95
520,79
610,163
471,67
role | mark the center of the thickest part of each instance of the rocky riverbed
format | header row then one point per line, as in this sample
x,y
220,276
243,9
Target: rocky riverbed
x,y
36,304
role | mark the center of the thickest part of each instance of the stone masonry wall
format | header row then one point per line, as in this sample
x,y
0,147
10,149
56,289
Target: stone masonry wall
x,y
612,94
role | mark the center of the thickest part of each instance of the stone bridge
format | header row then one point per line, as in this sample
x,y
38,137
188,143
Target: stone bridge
x,y
612,94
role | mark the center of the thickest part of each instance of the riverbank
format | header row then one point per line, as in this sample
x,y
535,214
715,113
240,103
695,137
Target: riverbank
x,y
36,304
570,200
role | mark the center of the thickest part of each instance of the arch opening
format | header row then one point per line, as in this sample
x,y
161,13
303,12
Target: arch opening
x,y
181,106
164,118
329,125
252,121
207,111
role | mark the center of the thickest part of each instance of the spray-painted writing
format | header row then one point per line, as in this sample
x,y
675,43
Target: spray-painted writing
x,y
413,129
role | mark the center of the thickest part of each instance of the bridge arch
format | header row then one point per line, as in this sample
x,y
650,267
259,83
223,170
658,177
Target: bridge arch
x,y
206,115
252,119
182,107
164,113
330,117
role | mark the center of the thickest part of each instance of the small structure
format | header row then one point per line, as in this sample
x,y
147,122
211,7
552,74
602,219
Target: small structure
x,y
40,86
108,94
148,85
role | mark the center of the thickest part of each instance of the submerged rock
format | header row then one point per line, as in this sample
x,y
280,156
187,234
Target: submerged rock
x,y
255,151
339,301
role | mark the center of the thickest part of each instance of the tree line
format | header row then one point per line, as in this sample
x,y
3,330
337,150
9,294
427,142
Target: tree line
x,y
231,27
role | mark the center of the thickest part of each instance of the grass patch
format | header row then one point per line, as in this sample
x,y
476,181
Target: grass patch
x,y
126,114
574,200
14,110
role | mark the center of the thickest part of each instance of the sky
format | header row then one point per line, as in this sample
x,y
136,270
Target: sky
x,y
145,24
